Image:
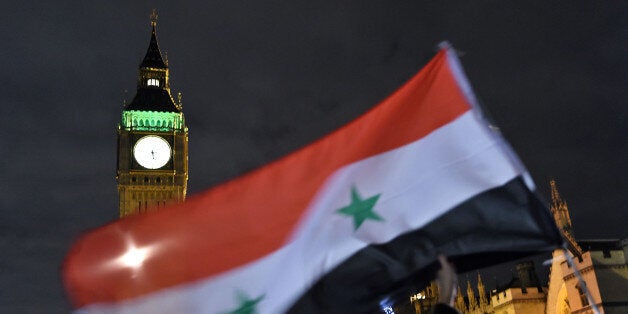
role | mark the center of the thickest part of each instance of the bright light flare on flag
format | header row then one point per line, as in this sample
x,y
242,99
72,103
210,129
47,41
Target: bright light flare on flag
x,y
134,257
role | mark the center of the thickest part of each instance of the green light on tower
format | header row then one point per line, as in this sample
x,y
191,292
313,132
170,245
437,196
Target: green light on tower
x,y
137,120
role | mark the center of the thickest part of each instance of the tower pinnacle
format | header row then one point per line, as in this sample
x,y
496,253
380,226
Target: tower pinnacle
x,y
153,58
153,18
559,209
460,305
483,301
471,297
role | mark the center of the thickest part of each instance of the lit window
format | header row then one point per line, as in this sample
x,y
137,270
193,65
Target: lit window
x,y
152,82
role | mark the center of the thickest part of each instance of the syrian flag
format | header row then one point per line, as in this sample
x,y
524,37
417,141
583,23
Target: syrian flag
x,y
337,226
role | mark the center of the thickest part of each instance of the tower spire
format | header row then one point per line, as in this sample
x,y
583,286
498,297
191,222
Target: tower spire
x,y
557,201
153,58
153,19
460,301
560,211
153,80
483,301
471,296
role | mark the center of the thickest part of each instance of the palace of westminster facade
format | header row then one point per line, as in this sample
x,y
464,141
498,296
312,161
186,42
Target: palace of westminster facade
x,y
602,263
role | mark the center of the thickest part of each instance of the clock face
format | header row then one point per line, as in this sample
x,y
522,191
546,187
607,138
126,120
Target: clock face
x,y
152,152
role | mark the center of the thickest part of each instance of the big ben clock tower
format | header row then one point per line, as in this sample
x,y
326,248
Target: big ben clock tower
x,y
152,169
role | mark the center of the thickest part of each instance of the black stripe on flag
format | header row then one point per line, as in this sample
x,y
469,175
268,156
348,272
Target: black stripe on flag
x,y
498,225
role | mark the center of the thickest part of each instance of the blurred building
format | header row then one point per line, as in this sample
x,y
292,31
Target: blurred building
x,y
523,294
477,301
602,264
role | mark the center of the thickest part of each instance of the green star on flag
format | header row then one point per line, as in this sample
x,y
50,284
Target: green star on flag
x,y
360,209
246,304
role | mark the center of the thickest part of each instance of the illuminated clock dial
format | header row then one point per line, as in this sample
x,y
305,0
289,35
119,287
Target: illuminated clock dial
x,y
152,152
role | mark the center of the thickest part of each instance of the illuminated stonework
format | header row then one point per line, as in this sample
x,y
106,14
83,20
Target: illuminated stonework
x,y
602,263
136,120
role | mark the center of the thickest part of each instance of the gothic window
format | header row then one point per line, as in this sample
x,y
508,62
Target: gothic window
x,y
152,82
582,295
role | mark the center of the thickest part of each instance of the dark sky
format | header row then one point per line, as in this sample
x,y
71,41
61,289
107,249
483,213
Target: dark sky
x,y
262,78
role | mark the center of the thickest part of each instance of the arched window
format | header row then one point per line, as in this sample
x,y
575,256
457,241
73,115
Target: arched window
x,y
152,82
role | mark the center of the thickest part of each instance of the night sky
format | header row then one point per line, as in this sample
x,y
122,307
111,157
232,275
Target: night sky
x,y
263,78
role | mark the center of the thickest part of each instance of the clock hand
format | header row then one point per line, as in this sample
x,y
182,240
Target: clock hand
x,y
152,152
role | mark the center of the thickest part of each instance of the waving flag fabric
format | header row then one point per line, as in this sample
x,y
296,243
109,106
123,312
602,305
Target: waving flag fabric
x,y
333,227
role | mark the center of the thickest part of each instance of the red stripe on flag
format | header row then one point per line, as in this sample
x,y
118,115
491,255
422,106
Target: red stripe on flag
x,y
253,215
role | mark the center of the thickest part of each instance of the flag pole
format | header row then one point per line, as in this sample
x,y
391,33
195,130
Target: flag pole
x,y
481,112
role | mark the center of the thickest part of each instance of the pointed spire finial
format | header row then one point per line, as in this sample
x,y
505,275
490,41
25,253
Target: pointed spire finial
x,y
153,18
471,296
460,305
556,200
483,302
559,209
153,58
